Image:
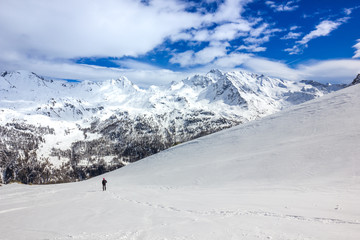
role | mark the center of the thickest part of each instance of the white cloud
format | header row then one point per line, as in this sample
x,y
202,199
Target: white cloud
x,y
230,24
256,32
228,28
272,68
231,31
357,51
133,64
70,29
329,71
286,7
294,28
181,36
348,11
334,71
257,41
261,34
208,54
296,49
229,11
67,29
324,28
292,35
141,74
341,71
184,59
42,36
204,56
252,48
231,61
224,32
200,36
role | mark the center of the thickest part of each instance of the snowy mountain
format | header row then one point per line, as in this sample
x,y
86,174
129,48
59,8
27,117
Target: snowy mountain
x,y
62,131
294,175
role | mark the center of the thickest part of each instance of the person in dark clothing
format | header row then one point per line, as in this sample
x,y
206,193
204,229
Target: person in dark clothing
x,y
104,184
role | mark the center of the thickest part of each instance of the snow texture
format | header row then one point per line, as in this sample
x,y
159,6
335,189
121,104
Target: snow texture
x,y
116,115
293,175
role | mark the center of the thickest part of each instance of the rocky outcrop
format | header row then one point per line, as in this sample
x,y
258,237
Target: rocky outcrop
x,y
356,80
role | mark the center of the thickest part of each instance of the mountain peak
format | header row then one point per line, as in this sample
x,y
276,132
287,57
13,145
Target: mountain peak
x,y
124,83
198,81
23,79
216,71
215,74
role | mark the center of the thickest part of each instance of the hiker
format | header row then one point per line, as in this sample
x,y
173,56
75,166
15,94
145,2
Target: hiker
x,y
104,184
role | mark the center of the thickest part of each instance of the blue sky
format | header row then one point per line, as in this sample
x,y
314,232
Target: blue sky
x,y
158,41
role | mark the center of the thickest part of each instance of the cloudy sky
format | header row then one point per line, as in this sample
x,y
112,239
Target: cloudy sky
x,y
158,41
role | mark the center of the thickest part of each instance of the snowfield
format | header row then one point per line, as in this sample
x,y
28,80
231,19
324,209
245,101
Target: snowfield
x,y
292,175
79,130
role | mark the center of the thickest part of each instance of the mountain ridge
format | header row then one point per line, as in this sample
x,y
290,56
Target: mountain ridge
x,y
87,128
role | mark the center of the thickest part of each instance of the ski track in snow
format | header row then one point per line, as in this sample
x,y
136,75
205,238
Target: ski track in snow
x,y
231,213
12,209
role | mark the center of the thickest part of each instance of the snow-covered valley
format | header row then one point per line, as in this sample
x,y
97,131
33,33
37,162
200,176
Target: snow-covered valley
x,y
293,175
59,131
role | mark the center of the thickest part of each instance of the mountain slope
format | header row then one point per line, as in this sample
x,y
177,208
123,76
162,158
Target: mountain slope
x,y
291,175
78,130
310,140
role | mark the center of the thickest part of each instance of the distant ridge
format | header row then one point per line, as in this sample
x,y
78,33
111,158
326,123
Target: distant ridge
x,y
76,130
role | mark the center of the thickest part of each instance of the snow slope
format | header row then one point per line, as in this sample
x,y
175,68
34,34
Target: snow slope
x,y
79,129
292,175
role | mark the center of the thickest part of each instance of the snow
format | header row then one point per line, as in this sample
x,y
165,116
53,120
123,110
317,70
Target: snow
x,y
198,104
29,94
293,175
